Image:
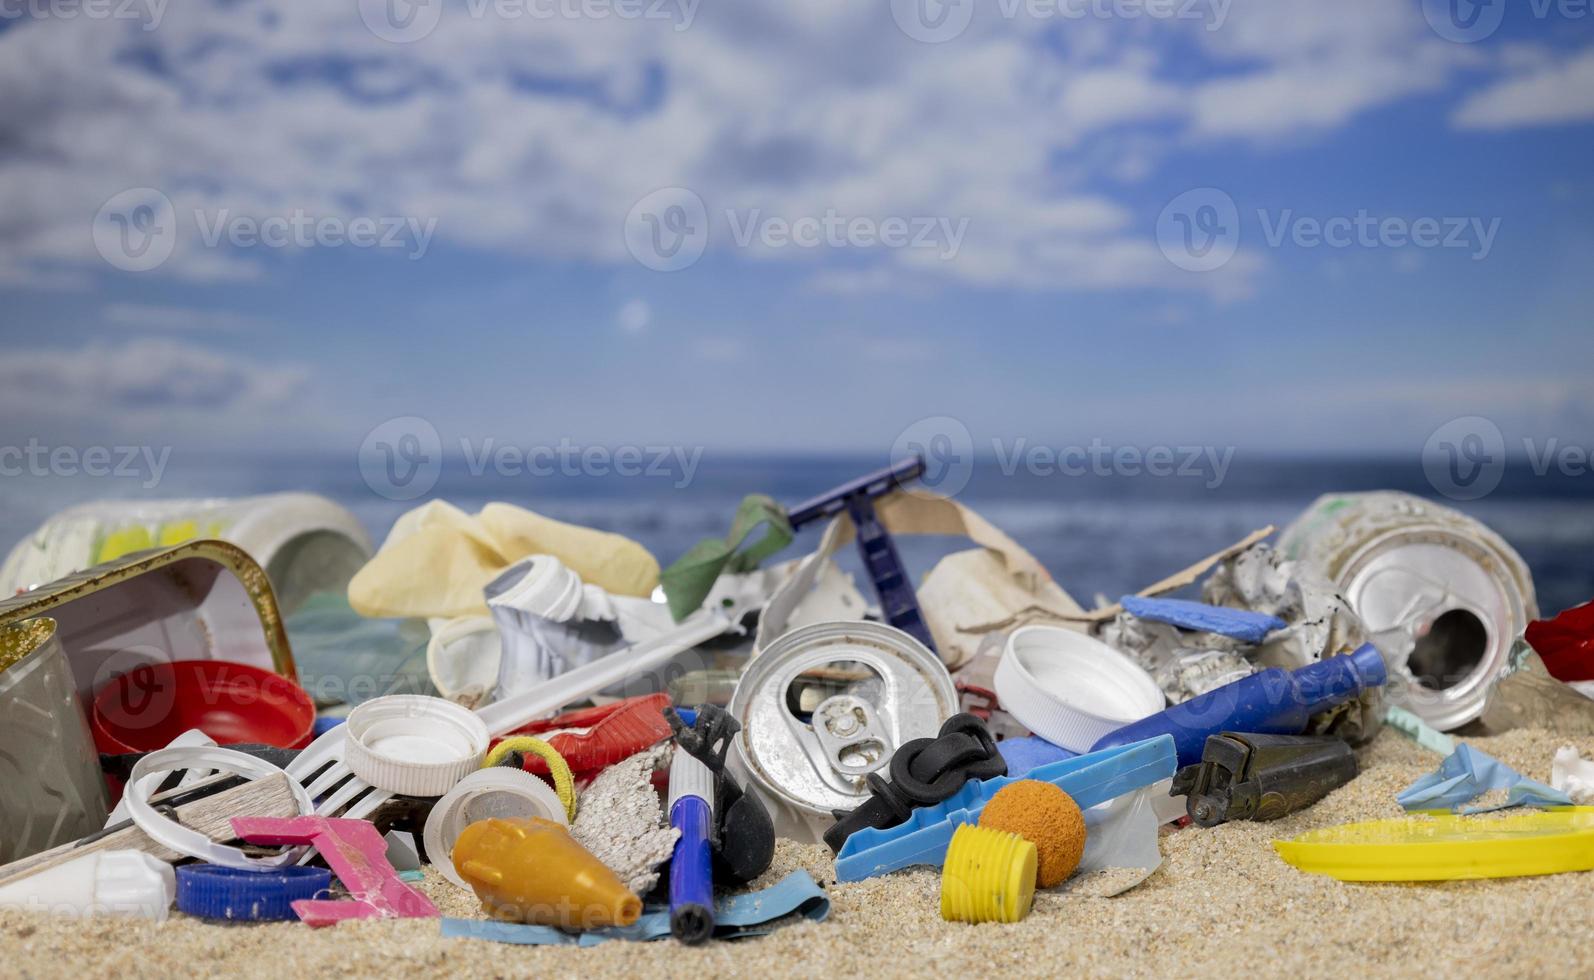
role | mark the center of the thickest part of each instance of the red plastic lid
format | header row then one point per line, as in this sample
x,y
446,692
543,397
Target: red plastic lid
x,y
147,707
615,732
1566,643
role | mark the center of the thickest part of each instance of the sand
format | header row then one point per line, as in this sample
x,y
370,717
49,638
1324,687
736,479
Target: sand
x,y
1223,902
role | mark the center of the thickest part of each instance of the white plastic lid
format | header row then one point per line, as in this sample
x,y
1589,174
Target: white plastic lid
x,y
183,840
1071,689
413,744
497,791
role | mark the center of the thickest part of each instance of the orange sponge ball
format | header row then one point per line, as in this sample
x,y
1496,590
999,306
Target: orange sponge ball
x,y
1047,817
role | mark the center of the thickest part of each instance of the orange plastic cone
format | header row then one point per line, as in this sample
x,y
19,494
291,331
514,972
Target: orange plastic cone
x,y
532,870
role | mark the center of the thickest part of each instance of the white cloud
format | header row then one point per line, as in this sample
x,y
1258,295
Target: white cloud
x,y
175,318
147,377
1540,95
537,135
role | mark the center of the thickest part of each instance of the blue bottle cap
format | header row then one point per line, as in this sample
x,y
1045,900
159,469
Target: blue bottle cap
x,y
212,891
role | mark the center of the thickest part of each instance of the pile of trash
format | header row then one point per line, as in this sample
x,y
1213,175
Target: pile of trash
x,y
240,710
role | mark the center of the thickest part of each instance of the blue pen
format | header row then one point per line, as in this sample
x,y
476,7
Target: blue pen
x,y
691,869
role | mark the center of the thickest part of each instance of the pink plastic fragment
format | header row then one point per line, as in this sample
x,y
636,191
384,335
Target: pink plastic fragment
x,y
357,854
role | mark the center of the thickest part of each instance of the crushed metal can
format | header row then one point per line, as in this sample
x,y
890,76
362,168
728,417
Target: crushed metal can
x,y
1442,596
824,706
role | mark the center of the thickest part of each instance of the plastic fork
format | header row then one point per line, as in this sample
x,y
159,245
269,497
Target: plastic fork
x,y
338,792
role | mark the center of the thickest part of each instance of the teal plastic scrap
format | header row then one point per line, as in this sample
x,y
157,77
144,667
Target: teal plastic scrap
x,y
924,837
735,917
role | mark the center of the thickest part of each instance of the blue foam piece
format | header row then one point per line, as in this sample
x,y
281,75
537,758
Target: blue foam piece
x,y
925,836
1238,624
1030,752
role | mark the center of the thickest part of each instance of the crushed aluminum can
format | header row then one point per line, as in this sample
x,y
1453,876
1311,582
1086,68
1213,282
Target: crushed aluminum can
x,y
824,706
1441,595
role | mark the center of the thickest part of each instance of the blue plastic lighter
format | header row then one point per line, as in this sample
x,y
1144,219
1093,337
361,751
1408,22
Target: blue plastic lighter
x,y
691,864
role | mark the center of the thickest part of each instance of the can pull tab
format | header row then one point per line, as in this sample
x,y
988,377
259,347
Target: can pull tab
x,y
851,735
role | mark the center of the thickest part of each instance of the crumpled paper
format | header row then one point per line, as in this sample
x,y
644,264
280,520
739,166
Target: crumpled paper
x,y
1318,623
618,819
1467,774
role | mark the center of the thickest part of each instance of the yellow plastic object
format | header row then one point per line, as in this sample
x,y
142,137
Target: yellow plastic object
x,y
564,782
1445,847
532,870
989,876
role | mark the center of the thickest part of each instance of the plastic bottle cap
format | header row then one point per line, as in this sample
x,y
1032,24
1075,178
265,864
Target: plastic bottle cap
x,y
1071,689
414,744
989,876
178,838
213,891
494,792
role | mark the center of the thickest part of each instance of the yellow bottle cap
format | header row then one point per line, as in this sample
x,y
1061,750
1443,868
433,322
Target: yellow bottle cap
x,y
989,876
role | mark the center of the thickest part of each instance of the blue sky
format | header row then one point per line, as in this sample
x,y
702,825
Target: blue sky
x,y
519,152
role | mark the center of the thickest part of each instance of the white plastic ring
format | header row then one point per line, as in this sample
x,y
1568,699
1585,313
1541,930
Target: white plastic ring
x,y
1071,689
497,791
413,744
192,843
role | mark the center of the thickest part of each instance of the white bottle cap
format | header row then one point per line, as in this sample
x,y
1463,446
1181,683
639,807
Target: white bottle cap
x,y
1071,689
414,744
497,791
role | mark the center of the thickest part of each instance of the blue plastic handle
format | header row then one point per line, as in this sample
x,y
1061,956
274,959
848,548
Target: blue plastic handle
x,y
1272,702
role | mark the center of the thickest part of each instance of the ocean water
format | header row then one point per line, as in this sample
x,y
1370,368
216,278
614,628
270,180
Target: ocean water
x,y
1097,534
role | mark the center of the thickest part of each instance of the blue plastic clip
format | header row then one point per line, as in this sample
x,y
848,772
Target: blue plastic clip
x,y
925,836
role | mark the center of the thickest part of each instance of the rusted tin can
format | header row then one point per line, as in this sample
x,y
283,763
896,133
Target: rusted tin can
x,y
1442,596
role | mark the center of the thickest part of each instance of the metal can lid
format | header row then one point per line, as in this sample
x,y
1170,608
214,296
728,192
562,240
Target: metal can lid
x,y
827,704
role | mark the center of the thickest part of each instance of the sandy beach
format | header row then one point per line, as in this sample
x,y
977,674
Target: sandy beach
x,y
1222,901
